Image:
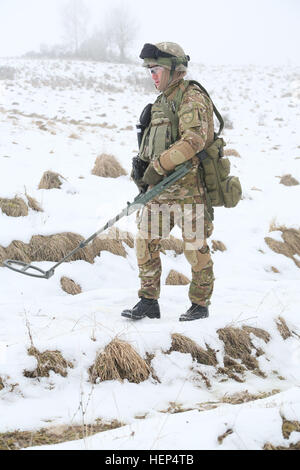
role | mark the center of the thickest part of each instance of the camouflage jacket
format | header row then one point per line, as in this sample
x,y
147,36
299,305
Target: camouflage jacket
x,y
194,133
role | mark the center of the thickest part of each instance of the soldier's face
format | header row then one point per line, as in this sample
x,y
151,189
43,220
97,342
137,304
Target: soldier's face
x,y
159,76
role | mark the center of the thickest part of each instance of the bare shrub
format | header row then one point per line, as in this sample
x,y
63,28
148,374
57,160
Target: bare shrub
x,y
107,166
47,361
69,286
51,180
15,207
175,278
119,361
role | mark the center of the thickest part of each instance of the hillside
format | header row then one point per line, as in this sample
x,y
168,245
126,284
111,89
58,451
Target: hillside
x,y
242,366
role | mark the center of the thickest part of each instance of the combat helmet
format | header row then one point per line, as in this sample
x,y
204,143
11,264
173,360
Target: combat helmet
x,y
167,54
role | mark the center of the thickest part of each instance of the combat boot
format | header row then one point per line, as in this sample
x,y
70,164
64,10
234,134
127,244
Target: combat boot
x,y
144,308
195,312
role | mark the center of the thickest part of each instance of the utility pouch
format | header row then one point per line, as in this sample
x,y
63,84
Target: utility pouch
x,y
222,189
145,120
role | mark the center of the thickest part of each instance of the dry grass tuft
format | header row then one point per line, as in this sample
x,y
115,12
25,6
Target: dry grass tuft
x,y
259,332
16,440
51,180
55,247
33,204
48,248
19,251
69,286
3,255
223,436
290,245
121,235
217,245
244,397
1,384
105,243
172,243
269,446
231,153
288,180
288,427
108,166
119,361
175,278
238,346
186,345
15,207
279,247
275,270
283,328
47,361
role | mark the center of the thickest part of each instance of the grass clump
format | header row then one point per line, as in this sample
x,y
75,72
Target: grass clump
x,y
57,246
70,286
238,350
119,361
288,180
186,345
176,278
283,328
17,440
15,207
108,166
47,361
51,180
33,204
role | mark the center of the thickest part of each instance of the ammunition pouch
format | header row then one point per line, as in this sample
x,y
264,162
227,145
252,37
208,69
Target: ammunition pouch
x,y
221,188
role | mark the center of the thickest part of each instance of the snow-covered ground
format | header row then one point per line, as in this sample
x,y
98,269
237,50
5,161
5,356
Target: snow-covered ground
x,y
60,116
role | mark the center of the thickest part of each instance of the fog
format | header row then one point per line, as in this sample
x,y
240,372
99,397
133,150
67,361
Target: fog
x,y
212,31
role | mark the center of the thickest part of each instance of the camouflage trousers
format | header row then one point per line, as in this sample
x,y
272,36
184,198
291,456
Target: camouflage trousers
x,y
155,223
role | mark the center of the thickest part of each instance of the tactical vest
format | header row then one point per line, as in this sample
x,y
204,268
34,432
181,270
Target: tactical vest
x,y
161,131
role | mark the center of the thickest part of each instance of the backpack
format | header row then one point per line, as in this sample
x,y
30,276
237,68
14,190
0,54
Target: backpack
x,y
222,189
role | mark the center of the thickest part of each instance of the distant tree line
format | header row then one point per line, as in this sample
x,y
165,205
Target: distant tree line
x,y
109,42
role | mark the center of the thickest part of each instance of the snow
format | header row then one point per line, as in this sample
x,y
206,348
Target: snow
x,y
96,103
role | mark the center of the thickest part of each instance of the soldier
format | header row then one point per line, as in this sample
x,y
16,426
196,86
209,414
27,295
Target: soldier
x,y
180,125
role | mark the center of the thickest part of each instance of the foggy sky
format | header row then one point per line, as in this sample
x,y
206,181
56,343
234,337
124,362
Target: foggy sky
x,y
212,31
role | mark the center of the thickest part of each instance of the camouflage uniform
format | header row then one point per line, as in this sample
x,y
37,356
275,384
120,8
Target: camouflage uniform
x,y
195,132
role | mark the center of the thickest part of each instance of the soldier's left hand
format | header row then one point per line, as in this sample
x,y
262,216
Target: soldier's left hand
x,y
151,176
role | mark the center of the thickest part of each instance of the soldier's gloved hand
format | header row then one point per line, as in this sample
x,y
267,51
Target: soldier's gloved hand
x,y
139,182
151,176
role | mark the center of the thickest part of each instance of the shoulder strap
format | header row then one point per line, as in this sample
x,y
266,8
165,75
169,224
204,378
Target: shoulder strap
x,y
218,115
